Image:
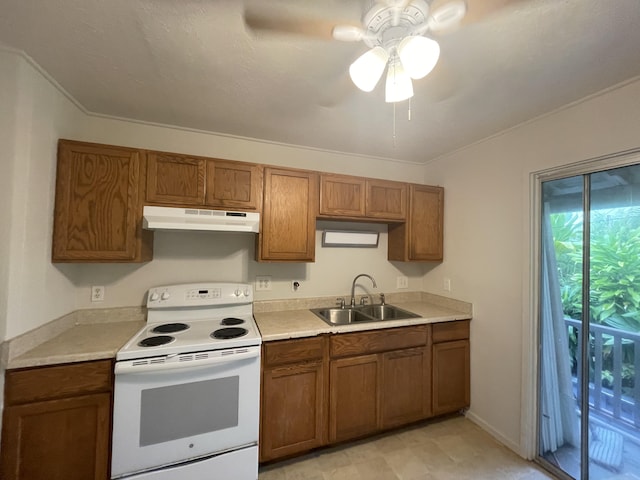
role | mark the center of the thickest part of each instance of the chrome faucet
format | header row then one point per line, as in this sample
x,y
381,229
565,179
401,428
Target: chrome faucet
x,y
353,286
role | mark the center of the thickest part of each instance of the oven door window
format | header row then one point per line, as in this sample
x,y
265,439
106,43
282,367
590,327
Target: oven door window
x,y
181,411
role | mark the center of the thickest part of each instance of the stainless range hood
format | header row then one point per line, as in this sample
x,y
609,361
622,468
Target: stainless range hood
x,y
171,218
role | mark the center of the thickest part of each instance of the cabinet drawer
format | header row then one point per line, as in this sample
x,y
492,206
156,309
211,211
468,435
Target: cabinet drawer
x,y
378,340
59,381
292,351
449,331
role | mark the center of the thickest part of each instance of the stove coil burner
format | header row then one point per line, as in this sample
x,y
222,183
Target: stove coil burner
x,y
231,321
170,328
227,333
156,341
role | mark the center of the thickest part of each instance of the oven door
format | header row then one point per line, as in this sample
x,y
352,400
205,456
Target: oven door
x,y
180,407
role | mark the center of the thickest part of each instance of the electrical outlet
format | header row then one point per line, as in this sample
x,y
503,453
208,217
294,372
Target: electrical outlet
x,y
446,284
402,282
263,283
97,293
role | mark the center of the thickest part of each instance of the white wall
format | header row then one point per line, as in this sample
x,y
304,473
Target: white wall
x,y
34,291
37,114
487,237
213,256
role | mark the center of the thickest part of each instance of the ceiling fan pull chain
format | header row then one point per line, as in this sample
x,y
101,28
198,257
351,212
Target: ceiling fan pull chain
x,y
394,124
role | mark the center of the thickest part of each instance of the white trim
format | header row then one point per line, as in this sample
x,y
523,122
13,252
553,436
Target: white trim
x,y
499,436
529,386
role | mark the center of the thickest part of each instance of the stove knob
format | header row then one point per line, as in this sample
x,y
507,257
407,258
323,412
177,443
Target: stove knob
x,y
247,292
165,295
154,296
238,292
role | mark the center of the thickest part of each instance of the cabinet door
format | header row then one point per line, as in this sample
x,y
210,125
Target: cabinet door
x,y
293,410
233,185
98,209
451,374
425,223
289,216
420,238
342,196
58,439
405,386
175,179
354,403
386,200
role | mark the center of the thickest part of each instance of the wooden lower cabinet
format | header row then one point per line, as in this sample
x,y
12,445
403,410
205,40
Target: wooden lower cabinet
x,y
57,422
354,397
406,386
371,381
451,367
379,379
293,413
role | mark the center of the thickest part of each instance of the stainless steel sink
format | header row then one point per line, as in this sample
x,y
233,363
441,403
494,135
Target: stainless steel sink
x,y
367,313
387,312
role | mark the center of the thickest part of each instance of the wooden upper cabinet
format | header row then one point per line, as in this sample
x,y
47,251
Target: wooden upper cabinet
x,y
233,185
98,208
386,200
357,197
421,237
175,179
288,216
341,195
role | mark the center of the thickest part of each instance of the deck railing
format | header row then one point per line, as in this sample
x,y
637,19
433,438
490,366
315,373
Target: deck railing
x,y
623,409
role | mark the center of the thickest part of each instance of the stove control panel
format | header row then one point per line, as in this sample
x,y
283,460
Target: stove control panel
x,y
194,294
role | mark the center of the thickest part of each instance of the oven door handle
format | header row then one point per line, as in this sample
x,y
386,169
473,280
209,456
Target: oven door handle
x,y
173,362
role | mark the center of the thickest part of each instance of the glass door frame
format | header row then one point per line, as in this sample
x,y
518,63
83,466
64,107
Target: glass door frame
x,y
531,332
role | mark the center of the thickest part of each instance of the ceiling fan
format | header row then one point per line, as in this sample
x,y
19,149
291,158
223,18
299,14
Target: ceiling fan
x,y
398,33
394,30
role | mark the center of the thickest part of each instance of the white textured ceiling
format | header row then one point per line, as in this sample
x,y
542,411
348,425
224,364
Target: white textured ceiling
x,y
195,64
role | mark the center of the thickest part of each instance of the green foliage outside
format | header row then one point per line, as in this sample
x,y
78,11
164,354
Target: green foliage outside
x,y
614,299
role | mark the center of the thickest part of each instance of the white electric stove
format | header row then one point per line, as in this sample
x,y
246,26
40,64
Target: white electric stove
x,y
187,388
192,318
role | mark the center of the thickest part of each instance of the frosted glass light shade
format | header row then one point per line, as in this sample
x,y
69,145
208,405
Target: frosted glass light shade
x,y
418,55
399,86
367,69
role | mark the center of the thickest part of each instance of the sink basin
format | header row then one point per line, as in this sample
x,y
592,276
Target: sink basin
x,y
387,312
367,313
341,316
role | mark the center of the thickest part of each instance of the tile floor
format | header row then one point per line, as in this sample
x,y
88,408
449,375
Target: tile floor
x,y
449,449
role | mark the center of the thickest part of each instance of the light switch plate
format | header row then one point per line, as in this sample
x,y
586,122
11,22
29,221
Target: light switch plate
x,y
402,282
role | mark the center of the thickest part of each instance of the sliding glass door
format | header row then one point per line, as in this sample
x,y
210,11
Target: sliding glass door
x,y
589,328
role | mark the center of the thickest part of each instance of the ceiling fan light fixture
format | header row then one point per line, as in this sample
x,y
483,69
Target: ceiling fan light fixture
x,y
399,86
368,68
419,55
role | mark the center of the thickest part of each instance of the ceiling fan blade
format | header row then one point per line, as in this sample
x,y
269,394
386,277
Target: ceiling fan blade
x,y
478,10
265,21
398,8
446,18
348,33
